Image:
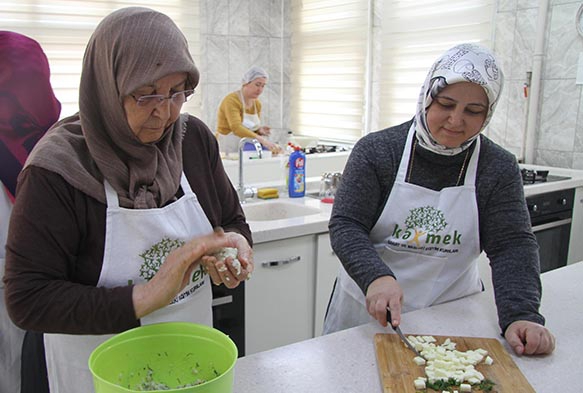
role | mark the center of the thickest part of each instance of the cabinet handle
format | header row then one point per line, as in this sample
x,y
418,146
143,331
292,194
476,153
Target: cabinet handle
x,y
281,262
219,301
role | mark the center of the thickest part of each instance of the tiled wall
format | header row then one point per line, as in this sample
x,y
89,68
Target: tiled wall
x,y
559,132
237,34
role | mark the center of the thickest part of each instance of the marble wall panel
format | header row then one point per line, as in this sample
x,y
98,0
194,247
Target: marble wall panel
x,y
217,15
506,5
504,40
239,34
217,69
259,54
274,107
560,101
215,94
578,146
275,60
286,61
516,115
239,59
555,2
526,4
276,14
286,105
259,17
239,20
563,46
523,45
554,158
287,19
577,161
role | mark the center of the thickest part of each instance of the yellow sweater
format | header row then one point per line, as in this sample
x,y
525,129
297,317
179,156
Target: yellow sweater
x,y
230,116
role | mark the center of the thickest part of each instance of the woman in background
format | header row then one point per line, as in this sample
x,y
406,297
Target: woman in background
x,y
433,193
239,114
28,107
116,205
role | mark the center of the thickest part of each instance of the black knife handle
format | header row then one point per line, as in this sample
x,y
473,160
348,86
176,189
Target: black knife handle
x,y
389,318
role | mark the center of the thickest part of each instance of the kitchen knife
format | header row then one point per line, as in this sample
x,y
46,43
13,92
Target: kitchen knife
x,y
401,335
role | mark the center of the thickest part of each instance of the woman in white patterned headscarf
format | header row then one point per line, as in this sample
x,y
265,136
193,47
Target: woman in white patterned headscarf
x,y
433,194
462,63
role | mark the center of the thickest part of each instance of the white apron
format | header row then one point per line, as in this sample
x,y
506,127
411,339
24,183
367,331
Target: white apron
x,y
429,239
230,143
132,252
10,336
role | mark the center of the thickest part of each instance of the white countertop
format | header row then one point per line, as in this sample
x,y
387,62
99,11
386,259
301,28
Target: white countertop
x,y
264,231
345,361
576,180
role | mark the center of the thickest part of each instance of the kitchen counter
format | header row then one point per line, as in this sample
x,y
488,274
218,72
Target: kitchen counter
x,y
264,231
345,361
576,180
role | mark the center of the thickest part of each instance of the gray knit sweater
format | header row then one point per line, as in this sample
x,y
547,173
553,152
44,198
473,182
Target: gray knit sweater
x,y
505,231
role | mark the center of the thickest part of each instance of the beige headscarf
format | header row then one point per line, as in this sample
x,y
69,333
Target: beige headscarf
x,y
130,48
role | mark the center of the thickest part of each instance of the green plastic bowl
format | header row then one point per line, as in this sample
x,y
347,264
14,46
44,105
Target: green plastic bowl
x,y
174,354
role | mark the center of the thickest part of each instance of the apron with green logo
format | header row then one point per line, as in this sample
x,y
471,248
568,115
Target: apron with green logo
x,y
429,239
137,242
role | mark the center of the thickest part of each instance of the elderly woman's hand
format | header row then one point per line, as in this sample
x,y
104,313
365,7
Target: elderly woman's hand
x,y
225,271
529,338
177,269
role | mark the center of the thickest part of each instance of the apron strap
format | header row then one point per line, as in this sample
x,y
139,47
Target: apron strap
x,y
472,169
404,164
111,196
186,185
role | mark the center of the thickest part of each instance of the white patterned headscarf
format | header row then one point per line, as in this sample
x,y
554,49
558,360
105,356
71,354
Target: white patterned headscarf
x,y
462,63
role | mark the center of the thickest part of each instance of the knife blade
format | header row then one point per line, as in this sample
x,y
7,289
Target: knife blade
x,y
401,335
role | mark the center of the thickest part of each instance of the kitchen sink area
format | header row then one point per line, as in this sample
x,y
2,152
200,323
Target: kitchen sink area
x,y
271,210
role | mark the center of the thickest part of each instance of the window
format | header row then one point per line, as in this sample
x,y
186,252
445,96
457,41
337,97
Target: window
x,y
414,34
351,77
63,29
329,49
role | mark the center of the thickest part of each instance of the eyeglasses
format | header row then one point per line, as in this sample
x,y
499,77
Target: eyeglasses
x,y
177,98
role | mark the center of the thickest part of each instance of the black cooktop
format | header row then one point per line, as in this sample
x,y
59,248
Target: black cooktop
x,y
531,176
324,149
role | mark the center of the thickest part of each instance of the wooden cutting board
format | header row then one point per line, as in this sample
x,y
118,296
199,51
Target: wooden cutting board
x,y
398,371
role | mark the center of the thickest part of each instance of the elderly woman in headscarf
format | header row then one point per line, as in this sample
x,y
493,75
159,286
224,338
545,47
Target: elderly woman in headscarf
x,y
239,114
28,107
433,193
119,205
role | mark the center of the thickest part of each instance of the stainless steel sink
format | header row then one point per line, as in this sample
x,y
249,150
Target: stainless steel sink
x,y
277,210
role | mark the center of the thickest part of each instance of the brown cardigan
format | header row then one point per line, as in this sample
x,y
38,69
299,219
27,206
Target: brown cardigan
x,y
55,244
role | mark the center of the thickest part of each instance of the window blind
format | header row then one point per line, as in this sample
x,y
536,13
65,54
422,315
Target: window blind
x,y
329,48
414,34
63,28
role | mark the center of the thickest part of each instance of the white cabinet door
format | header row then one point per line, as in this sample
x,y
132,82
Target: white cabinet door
x,y
279,297
326,272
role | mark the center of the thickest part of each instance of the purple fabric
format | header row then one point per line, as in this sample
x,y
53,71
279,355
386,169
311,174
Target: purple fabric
x,y
28,106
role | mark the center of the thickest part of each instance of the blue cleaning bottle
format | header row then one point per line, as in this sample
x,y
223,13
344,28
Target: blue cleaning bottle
x,y
297,174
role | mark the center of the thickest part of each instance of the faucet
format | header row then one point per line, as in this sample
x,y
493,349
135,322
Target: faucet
x,y
247,192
